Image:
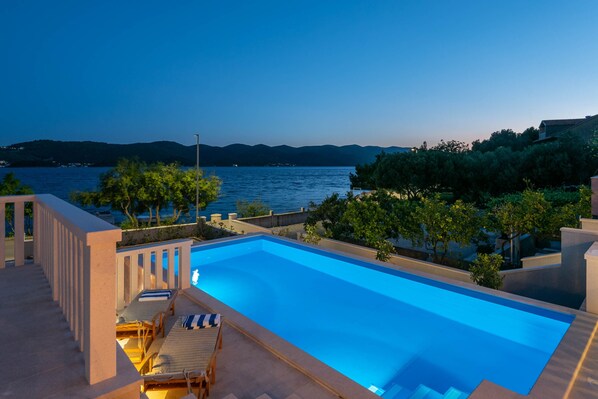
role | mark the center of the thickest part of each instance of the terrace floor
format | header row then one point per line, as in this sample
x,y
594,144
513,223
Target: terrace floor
x,y
245,369
40,358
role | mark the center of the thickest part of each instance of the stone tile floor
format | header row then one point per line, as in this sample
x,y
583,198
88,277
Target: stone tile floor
x,y
245,369
39,356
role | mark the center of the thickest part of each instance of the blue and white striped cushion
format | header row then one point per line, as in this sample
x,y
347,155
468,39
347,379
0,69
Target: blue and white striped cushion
x,y
196,321
155,296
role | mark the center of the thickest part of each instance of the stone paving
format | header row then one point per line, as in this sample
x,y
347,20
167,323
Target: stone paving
x,y
245,369
39,356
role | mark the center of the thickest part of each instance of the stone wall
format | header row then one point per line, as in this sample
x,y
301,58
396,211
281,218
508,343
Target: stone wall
x,y
278,220
200,231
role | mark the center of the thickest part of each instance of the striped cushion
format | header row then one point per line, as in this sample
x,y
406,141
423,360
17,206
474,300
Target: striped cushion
x,y
195,321
155,295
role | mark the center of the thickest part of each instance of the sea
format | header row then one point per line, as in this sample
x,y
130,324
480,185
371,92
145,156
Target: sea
x,y
283,189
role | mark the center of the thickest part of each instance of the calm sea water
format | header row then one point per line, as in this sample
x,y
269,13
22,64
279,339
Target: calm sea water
x,y
282,188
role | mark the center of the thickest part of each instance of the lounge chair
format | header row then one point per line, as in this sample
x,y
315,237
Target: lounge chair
x,y
187,357
144,317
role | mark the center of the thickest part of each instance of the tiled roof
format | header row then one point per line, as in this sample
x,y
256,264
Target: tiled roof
x,y
555,122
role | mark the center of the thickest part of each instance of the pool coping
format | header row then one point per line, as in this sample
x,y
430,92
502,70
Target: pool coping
x,y
555,381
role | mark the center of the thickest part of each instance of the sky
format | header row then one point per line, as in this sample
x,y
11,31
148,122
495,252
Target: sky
x,y
293,72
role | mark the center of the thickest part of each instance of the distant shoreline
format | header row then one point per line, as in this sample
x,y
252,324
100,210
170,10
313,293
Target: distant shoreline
x,y
48,153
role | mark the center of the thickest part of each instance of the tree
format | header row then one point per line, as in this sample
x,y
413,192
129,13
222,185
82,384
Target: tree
x,y
371,223
485,271
133,187
118,188
442,223
330,213
497,166
247,209
10,185
517,214
451,146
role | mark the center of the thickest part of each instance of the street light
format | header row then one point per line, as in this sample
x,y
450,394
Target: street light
x,y
197,178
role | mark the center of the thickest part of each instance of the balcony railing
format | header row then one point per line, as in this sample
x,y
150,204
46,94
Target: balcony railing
x,y
77,252
152,266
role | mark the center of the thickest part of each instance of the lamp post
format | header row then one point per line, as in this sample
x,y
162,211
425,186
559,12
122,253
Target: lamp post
x,y
196,177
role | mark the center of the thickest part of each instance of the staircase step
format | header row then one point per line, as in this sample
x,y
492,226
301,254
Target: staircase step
x,y
454,393
424,392
397,392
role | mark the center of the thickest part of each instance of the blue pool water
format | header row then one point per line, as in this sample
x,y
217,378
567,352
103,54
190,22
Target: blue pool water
x,y
382,328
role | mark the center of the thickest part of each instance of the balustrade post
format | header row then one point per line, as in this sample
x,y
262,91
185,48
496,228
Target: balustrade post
x,y
19,239
2,235
100,290
185,265
591,257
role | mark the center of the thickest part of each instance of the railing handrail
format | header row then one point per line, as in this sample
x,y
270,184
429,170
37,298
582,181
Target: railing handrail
x,y
144,247
17,198
82,223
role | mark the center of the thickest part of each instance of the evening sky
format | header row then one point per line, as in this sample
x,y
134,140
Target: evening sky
x,y
293,72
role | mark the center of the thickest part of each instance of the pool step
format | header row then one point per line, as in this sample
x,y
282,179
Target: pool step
x,y
397,392
425,392
454,393
422,392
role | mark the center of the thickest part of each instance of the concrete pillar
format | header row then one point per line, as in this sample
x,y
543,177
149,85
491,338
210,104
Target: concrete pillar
x,y
594,187
215,217
302,209
100,302
591,257
232,216
271,213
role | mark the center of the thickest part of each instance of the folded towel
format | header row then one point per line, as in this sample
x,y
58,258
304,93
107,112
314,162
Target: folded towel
x,y
196,321
155,296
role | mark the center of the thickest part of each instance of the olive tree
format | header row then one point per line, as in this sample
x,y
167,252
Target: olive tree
x,y
442,224
133,187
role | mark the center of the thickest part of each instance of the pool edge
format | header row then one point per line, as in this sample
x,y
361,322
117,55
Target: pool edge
x,y
322,374
555,380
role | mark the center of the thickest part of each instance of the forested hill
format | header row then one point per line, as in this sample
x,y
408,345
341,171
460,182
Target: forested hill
x,y
57,153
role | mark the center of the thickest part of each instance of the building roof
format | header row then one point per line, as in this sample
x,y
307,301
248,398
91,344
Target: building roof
x,y
584,128
557,122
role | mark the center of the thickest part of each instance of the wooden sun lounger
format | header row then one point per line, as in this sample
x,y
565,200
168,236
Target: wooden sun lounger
x,y
186,358
144,319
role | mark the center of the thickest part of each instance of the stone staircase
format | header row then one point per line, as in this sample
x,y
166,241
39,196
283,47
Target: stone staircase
x,y
395,392
263,396
422,392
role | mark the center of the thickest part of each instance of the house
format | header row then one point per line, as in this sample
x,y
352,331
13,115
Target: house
x,y
551,129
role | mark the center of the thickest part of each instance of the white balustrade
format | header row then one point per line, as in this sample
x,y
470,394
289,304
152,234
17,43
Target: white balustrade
x,y
77,252
17,203
153,266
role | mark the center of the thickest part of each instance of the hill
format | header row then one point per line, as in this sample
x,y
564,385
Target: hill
x,y
57,153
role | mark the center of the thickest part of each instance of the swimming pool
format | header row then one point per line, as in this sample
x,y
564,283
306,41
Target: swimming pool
x,y
395,333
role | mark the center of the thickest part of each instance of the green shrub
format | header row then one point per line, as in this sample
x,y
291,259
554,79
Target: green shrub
x,y
311,234
384,250
246,209
485,271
